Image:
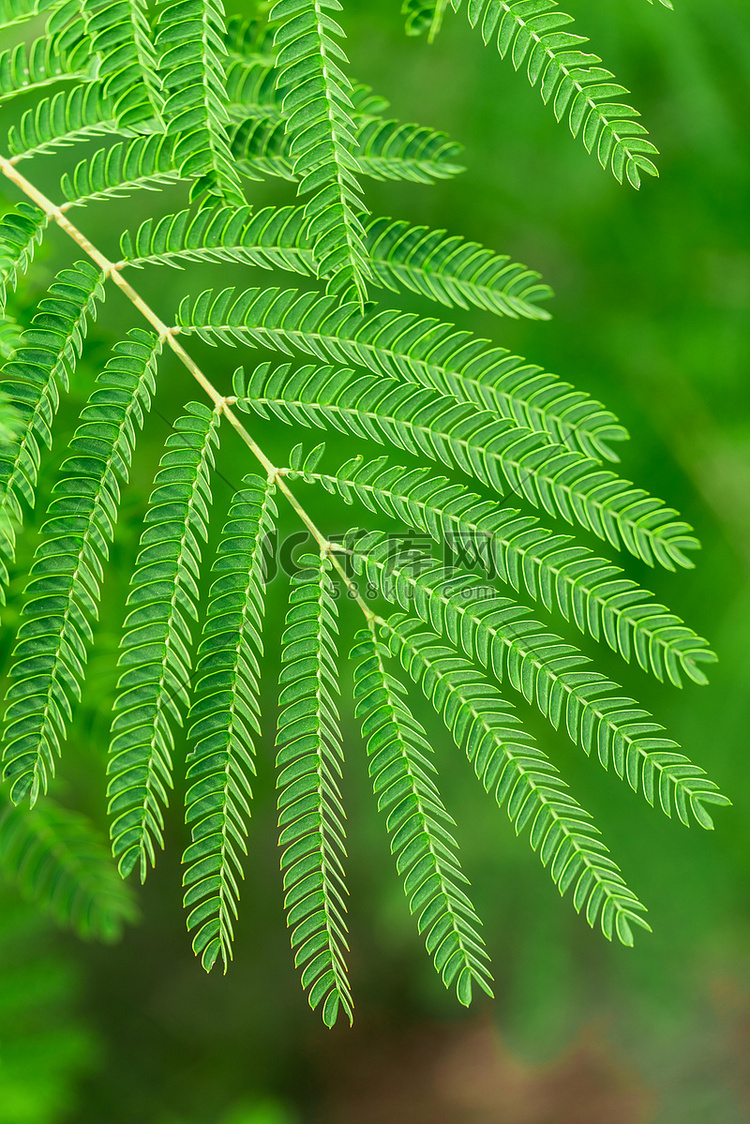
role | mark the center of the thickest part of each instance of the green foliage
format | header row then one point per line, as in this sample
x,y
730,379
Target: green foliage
x,y
417,823
546,671
120,36
447,269
60,120
315,94
385,150
530,33
311,812
550,568
21,231
190,42
178,98
225,718
33,380
146,162
156,639
59,862
28,68
495,451
65,579
401,350
508,763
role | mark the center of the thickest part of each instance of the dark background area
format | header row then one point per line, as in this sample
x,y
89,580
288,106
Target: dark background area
x,y
652,315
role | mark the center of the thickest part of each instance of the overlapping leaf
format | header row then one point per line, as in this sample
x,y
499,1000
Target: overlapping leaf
x,y
407,347
521,777
418,824
553,569
494,451
315,96
64,588
155,643
546,671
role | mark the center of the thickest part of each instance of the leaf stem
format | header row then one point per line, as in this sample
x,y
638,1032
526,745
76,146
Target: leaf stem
x,y
169,336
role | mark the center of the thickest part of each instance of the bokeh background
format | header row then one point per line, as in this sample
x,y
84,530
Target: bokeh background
x,y
651,314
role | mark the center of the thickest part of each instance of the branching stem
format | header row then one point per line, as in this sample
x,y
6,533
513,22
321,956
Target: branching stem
x,y
169,335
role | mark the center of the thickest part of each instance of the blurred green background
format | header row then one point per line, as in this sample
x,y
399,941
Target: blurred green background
x,y
652,315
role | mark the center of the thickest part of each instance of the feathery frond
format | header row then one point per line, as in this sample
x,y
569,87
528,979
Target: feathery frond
x,y
418,825
385,150
190,44
111,173
157,632
58,861
403,346
546,670
311,813
494,451
21,231
33,380
315,97
530,33
553,569
224,719
45,60
121,37
401,256
393,150
63,592
61,120
522,778
452,271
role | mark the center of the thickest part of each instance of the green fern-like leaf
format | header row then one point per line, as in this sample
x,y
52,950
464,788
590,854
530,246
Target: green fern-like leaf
x,y
530,33
452,271
553,569
445,268
155,643
121,37
21,231
190,43
418,824
310,808
33,380
405,347
546,671
48,59
61,120
392,150
522,778
315,94
57,860
494,451
64,587
385,150
111,173
224,720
